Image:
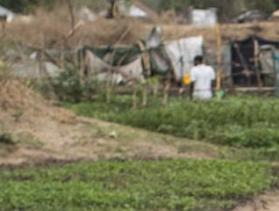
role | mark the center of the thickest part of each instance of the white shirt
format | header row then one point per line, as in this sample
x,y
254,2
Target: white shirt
x,y
202,76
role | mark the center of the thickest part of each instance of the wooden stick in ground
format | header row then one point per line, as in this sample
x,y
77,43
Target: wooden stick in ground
x,y
62,57
144,94
3,26
166,92
71,11
82,73
109,81
73,30
42,56
256,60
134,85
219,57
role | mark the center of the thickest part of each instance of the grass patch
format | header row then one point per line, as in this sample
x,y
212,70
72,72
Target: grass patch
x,y
240,122
134,185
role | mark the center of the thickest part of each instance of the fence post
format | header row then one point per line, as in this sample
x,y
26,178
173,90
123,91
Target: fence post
x,y
166,92
134,103
219,57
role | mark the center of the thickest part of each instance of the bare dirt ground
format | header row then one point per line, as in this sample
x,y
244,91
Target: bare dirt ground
x,y
44,132
267,202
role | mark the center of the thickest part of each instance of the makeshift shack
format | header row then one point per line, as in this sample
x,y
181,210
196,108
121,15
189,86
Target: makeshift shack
x,y
253,62
173,58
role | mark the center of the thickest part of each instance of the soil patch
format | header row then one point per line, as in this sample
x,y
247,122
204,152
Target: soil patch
x,y
43,132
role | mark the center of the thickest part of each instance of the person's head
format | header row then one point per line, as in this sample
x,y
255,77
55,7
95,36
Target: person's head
x,y
198,60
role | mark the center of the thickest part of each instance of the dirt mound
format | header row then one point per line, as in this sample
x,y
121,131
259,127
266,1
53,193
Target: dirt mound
x,y
43,131
15,97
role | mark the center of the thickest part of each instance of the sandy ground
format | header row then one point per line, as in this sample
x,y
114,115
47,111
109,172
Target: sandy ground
x,y
60,135
267,202
44,132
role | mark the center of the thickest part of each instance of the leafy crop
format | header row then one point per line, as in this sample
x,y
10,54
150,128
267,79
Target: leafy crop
x,y
134,185
249,122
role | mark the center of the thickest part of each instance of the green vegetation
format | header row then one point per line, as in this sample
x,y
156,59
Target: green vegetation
x,y
134,185
238,121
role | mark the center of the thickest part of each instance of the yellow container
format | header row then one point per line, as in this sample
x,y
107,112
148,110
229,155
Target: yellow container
x,y
187,79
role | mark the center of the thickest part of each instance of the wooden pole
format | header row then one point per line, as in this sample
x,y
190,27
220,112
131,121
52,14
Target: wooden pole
x,y
82,65
111,71
42,56
62,57
166,92
134,84
3,26
72,13
144,94
218,57
256,60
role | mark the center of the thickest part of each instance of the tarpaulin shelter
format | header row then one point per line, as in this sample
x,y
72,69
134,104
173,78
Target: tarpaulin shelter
x,y
114,55
182,53
171,58
226,58
100,70
253,62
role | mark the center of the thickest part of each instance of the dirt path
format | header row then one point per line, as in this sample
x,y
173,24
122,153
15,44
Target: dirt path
x,y
267,202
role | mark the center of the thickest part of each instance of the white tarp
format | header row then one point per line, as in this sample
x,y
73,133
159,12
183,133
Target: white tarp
x,y
266,59
182,53
204,18
135,11
7,13
31,69
85,14
103,71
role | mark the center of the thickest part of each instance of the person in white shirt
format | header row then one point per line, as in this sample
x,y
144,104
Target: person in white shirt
x,y
202,78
